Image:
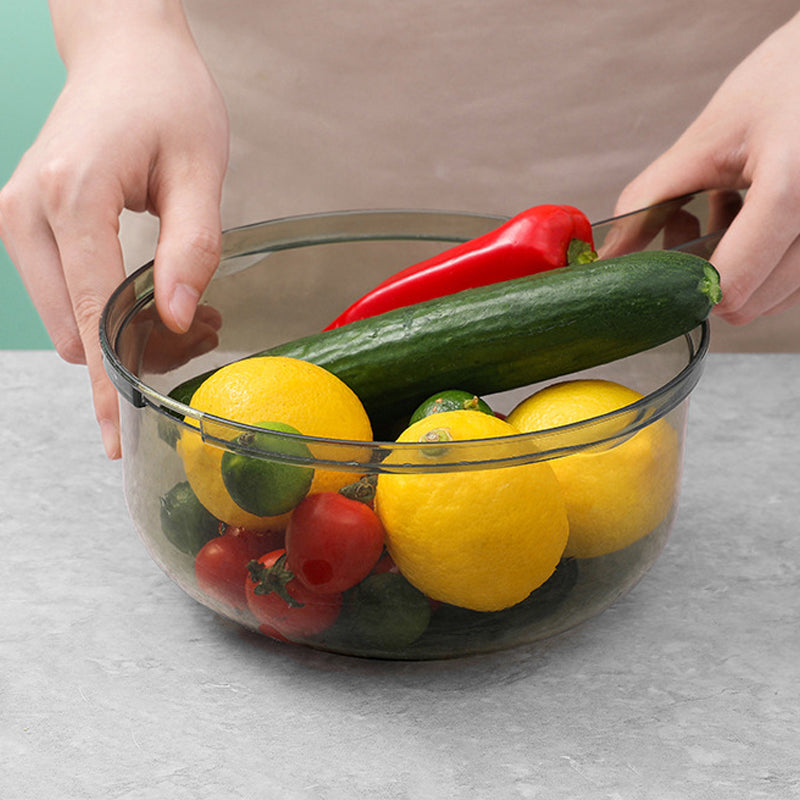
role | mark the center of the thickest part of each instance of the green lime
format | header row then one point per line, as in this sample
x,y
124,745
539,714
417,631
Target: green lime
x,y
387,612
184,520
262,486
450,400
168,428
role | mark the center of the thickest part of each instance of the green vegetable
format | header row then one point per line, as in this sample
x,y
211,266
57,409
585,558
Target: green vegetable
x,y
185,521
386,612
450,400
514,333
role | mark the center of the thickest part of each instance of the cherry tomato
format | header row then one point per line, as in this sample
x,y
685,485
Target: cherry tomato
x,y
282,604
258,542
273,633
221,564
333,542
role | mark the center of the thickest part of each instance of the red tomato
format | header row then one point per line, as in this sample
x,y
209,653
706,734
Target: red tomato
x,y
282,604
258,542
332,542
221,565
273,633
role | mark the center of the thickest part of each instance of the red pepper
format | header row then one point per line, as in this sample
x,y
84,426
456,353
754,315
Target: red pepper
x,y
542,238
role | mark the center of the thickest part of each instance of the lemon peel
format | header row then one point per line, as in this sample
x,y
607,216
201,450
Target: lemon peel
x,y
479,539
616,494
295,392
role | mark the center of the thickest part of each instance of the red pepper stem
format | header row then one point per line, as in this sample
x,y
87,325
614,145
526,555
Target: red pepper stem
x,y
580,252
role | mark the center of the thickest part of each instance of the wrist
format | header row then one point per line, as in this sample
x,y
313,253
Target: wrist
x,y
82,26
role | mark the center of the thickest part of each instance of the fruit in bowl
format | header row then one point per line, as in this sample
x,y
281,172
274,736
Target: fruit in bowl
x,y
280,480
290,393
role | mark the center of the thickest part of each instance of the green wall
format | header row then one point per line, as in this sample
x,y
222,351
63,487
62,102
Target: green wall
x,y
31,76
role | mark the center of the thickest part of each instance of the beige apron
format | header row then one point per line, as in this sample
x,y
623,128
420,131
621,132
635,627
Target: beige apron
x,y
478,105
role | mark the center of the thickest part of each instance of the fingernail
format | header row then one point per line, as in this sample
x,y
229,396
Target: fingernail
x,y
182,305
110,435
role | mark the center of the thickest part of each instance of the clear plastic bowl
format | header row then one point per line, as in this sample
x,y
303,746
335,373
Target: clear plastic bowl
x,y
287,278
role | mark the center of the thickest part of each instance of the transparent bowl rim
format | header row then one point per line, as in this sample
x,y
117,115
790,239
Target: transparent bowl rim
x,y
517,448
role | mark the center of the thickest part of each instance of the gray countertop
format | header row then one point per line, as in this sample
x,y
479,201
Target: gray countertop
x,y
115,684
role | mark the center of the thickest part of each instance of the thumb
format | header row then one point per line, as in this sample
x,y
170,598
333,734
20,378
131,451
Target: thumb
x,y
682,169
707,155
691,165
187,254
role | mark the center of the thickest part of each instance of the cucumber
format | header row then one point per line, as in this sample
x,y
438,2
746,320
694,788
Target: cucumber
x,y
511,334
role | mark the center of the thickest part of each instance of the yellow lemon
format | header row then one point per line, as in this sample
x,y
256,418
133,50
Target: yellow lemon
x,y
479,539
617,495
274,388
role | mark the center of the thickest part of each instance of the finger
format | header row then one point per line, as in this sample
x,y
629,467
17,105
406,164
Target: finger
x,y
776,292
635,231
757,241
685,168
32,248
92,260
166,350
188,250
690,165
792,301
723,206
681,227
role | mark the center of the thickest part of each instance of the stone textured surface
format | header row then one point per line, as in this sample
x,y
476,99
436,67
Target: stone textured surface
x,y
115,684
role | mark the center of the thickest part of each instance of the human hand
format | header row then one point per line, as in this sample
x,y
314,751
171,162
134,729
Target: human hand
x,y
693,223
746,137
141,125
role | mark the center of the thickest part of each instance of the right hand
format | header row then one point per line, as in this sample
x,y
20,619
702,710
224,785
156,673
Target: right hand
x,y
141,125
745,138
